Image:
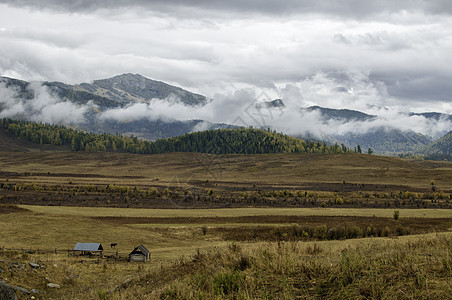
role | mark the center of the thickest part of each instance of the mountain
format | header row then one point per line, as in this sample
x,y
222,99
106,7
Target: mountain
x,y
124,104
221,141
117,92
81,97
152,130
277,103
128,88
20,86
339,114
386,140
433,116
440,149
112,92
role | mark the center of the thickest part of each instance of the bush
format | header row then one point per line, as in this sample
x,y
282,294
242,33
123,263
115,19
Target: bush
x,y
204,230
227,283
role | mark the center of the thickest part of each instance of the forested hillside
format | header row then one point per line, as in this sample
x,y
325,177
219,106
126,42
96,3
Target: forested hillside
x,y
441,149
222,141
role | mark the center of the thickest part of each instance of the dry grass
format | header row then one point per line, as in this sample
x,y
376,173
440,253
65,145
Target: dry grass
x,y
49,232
412,267
406,268
236,212
229,171
54,227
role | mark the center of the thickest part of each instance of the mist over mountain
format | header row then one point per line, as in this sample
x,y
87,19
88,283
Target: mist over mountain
x,y
340,114
127,88
440,149
131,104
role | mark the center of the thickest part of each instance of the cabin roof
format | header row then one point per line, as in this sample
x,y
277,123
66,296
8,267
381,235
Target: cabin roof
x,y
141,249
88,247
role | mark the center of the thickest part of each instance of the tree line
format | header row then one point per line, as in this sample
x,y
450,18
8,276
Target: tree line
x,y
220,141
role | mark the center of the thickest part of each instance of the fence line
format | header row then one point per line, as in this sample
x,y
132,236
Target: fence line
x,y
70,252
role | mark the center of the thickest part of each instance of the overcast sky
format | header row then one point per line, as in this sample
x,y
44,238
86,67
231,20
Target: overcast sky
x,y
336,53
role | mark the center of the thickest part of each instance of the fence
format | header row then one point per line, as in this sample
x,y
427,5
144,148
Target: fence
x,y
114,255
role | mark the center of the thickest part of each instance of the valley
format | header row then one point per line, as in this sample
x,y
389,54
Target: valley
x,y
224,211
133,105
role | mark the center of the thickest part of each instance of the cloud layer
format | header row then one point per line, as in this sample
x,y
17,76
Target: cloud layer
x,y
345,8
341,54
245,106
44,107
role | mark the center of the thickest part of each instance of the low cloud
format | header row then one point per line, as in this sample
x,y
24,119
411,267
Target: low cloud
x,y
43,107
248,106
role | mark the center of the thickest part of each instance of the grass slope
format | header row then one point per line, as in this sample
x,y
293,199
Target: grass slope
x,y
377,269
234,172
220,141
10,143
440,149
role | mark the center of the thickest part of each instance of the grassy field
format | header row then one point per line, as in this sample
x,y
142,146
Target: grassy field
x,y
191,180
407,268
284,225
195,266
227,171
245,253
48,227
235,212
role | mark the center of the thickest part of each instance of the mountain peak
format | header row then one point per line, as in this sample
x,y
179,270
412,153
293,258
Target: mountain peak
x,y
135,87
125,77
340,114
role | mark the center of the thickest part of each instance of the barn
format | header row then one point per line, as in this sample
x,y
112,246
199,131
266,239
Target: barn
x,y
89,248
140,254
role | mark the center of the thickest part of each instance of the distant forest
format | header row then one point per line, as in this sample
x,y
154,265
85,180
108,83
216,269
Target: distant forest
x,y
221,141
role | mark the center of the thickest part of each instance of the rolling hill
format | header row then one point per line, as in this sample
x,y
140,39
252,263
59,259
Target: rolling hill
x,y
440,149
11,143
221,141
126,104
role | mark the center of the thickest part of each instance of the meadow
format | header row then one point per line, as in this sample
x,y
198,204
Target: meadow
x,y
227,226
192,180
205,254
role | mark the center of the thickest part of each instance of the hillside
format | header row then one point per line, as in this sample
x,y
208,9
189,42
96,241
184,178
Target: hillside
x,y
10,143
387,140
381,139
238,141
441,149
133,105
109,93
133,87
340,114
242,141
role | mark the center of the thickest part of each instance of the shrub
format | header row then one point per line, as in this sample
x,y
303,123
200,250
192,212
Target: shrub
x,y
227,283
396,215
204,230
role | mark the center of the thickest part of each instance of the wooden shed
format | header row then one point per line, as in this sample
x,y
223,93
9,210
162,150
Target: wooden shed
x,y
140,254
89,248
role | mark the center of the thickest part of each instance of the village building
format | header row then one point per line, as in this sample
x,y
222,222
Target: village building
x,y
140,254
89,248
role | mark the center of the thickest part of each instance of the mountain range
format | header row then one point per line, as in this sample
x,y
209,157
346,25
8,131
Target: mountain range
x,y
118,94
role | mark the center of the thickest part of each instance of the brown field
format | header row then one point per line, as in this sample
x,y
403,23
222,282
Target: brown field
x,y
199,210
300,171
274,248
191,180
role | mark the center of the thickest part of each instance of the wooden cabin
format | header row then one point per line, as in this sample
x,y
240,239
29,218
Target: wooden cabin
x,y
140,254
